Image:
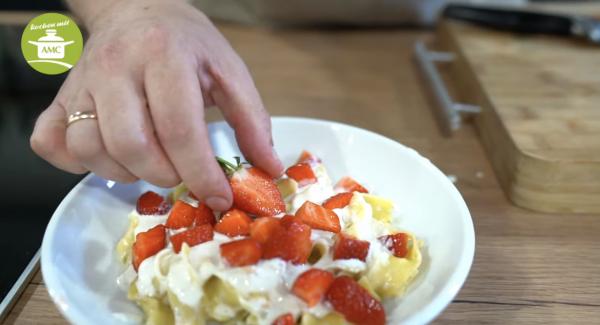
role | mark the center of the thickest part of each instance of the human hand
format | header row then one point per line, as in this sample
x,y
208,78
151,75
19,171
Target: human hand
x,y
148,70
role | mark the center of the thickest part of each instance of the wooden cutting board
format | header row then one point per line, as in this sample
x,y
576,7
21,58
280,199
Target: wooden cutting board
x,y
540,119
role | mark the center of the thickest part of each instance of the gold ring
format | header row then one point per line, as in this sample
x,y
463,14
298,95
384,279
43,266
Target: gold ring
x,y
78,116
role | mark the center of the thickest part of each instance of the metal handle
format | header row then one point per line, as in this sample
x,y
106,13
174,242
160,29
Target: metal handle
x,y
515,20
451,110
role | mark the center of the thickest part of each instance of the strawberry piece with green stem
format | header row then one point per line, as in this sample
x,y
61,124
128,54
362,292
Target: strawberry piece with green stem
x,y
254,191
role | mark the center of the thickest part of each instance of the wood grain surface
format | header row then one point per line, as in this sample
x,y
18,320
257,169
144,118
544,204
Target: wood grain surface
x,y
529,267
541,112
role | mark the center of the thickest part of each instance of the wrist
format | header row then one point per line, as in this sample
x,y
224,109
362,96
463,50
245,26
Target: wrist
x,y
95,14
88,11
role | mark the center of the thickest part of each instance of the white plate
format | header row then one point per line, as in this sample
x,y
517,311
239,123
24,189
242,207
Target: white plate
x,y
78,255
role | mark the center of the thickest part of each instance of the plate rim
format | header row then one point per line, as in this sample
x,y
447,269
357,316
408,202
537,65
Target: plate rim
x,y
428,313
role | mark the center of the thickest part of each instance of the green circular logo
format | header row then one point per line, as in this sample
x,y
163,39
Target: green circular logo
x,y
51,43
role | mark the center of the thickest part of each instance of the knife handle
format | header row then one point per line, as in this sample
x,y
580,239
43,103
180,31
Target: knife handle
x,y
519,21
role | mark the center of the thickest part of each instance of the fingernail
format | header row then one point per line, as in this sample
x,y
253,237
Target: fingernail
x,y
217,203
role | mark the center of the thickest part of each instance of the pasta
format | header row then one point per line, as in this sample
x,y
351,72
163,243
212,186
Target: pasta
x,y
193,283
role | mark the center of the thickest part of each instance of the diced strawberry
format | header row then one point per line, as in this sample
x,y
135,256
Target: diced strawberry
x,y
254,191
193,236
312,285
318,217
241,252
399,244
261,229
204,215
307,157
302,173
184,215
152,203
338,201
233,223
348,298
347,247
291,242
181,216
350,185
288,220
148,243
285,319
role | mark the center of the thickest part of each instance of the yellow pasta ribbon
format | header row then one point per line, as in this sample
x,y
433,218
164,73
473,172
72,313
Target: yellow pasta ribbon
x,y
332,318
391,277
220,300
156,311
382,207
126,243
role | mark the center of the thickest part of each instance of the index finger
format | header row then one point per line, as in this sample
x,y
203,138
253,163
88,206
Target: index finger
x,y
236,96
177,109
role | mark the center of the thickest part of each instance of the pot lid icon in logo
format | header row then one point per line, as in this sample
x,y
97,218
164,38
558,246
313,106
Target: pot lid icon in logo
x,y
51,43
51,46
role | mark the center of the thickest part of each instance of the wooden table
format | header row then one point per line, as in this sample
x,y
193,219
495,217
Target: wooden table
x,y
529,267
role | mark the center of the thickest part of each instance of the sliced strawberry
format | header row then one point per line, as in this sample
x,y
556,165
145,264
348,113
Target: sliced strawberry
x,y
318,217
204,215
261,229
399,244
241,252
181,216
312,285
338,201
302,173
184,215
291,242
152,203
193,236
233,223
350,185
350,299
347,247
307,157
287,220
285,319
148,243
254,191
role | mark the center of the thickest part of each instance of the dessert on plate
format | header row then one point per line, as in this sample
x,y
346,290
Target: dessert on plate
x,y
297,250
